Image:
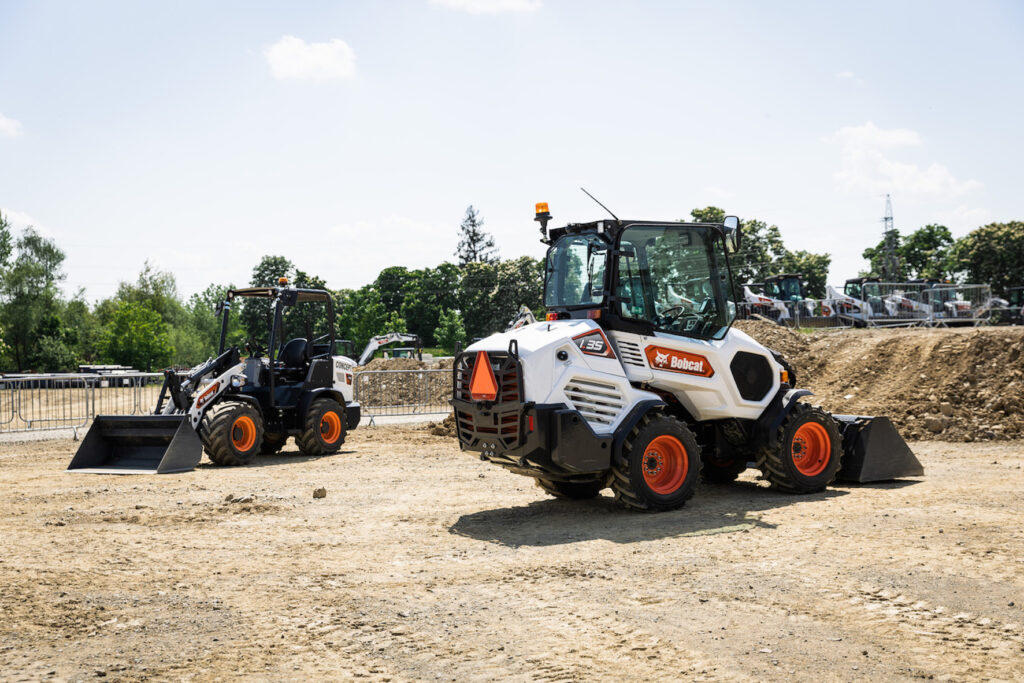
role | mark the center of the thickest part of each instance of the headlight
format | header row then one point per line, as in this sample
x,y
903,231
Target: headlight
x,y
238,381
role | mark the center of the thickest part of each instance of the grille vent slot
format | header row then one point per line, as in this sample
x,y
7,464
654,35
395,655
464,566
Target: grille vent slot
x,y
630,353
600,403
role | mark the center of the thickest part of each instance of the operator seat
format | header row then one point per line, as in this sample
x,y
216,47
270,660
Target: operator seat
x,y
294,356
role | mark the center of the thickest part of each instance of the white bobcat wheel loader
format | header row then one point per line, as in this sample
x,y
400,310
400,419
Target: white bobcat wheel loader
x,y
622,388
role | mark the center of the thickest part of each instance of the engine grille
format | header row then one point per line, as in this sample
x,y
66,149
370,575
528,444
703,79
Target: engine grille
x,y
630,353
501,423
600,403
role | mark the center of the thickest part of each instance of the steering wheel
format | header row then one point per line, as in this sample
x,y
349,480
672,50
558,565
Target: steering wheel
x,y
254,348
666,318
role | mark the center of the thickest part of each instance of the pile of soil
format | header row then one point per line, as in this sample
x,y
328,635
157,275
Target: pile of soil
x,y
951,384
444,428
407,389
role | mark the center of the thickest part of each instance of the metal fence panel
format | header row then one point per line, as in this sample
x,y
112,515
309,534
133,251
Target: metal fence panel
x,y
403,392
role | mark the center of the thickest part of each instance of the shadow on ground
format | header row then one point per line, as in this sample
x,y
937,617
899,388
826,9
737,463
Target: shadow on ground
x,y
714,510
283,458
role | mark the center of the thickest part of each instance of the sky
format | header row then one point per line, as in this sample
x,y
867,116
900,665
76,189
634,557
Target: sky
x,y
350,136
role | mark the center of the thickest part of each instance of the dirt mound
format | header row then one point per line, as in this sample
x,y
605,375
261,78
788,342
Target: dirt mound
x,y
408,388
950,384
444,428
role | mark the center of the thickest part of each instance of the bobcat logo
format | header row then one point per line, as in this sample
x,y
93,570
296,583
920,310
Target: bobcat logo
x,y
674,360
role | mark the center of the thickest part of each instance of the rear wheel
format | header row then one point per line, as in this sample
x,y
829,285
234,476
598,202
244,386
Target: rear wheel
x,y
232,433
659,466
807,452
577,490
324,427
272,443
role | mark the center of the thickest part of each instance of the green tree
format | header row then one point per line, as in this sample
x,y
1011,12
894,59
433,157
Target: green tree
x,y
813,268
256,314
6,241
924,253
394,323
392,283
518,282
29,293
428,292
475,245
475,299
450,330
993,255
137,336
361,315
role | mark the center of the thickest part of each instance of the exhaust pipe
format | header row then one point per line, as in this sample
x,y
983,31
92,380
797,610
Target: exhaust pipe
x,y
874,451
138,444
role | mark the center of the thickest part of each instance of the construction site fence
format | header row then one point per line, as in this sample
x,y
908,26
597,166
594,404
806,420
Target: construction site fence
x,y
37,403
809,313
71,401
394,393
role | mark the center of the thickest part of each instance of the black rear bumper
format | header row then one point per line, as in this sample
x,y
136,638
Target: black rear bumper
x,y
550,441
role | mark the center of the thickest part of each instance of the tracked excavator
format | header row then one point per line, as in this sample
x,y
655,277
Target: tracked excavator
x,y
622,387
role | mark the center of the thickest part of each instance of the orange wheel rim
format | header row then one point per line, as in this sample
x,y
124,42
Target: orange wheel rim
x,y
665,464
330,427
811,449
243,433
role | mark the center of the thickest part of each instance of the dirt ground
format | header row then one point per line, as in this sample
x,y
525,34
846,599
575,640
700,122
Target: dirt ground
x,y
423,563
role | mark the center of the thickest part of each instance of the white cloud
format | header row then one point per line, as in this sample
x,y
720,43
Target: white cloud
x,y
489,6
19,220
9,127
867,168
849,76
964,218
293,57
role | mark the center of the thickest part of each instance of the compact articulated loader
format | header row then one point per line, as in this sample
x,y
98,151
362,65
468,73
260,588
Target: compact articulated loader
x,y
235,408
621,387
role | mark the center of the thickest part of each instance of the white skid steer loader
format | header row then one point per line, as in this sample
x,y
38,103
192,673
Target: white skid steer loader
x,y
622,388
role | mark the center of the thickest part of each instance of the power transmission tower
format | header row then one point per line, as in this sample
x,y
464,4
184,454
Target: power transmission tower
x,y
891,237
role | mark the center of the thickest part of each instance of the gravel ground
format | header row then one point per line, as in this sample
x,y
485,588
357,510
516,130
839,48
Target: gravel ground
x,y
424,563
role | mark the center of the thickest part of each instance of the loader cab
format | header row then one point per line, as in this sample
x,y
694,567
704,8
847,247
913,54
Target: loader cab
x,y
858,287
294,355
785,287
642,276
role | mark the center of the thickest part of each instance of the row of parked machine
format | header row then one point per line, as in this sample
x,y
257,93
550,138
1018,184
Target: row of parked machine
x,y
868,301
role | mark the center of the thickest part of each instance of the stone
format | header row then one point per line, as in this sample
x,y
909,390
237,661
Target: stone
x,y
320,492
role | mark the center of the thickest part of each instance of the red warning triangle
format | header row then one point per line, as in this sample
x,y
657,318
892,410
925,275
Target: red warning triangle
x,y
482,385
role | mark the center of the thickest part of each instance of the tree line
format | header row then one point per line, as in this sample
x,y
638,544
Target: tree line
x,y
148,325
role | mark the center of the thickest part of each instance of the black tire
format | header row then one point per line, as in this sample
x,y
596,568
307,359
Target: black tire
x,y
576,490
660,478
272,443
715,471
323,428
807,454
232,433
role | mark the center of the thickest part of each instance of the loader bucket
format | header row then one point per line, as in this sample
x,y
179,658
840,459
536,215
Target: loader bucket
x,y
874,451
138,444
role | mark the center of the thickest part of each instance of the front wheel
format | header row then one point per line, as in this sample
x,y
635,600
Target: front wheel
x,y
807,452
324,427
659,467
232,433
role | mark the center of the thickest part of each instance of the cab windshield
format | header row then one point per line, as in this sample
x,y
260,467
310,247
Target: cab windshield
x,y
675,278
574,273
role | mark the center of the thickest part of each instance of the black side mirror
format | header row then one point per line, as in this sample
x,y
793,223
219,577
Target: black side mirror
x,y
732,232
